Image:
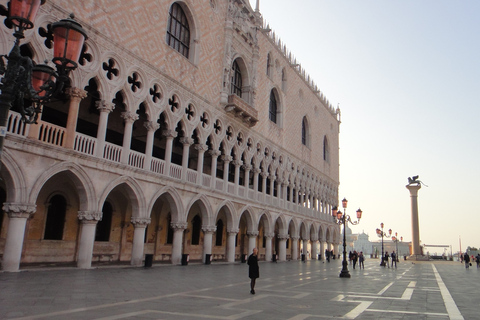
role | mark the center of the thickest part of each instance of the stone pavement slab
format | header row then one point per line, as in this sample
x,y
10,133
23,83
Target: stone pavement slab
x,y
289,290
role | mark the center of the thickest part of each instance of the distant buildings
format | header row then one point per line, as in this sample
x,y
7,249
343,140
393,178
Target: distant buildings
x,y
361,242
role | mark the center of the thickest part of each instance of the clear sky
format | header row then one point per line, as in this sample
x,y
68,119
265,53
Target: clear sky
x,y
407,77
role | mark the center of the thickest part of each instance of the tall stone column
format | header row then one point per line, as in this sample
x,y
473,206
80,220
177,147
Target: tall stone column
x,y
322,248
88,220
186,142
169,135
76,95
282,247
305,248
201,148
105,109
18,214
226,161
256,171
415,226
264,184
295,248
268,246
314,249
237,164
138,240
246,180
177,245
130,118
231,234
214,154
207,240
252,241
151,128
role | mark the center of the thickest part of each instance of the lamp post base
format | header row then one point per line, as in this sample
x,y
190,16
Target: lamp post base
x,y
344,273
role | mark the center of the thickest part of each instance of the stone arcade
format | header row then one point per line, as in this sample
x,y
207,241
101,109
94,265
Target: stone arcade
x,y
188,128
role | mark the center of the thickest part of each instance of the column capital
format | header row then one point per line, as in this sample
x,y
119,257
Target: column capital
x,y
76,93
270,235
237,163
252,233
140,221
170,133
85,216
104,106
201,147
226,158
295,238
264,175
129,116
151,125
247,167
186,141
19,210
179,225
232,230
209,229
214,153
256,170
283,236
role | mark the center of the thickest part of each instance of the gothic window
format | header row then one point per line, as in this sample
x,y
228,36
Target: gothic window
x,y
102,232
326,150
196,227
236,82
305,132
273,107
219,235
57,208
178,30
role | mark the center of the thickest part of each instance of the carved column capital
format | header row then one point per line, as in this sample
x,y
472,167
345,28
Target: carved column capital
x,y
270,235
214,153
151,126
233,231
201,147
178,225
140,222
252,233
247,167
209,229
283,236
226,158
104,106
237,163
186,141
76,93
19,210
129,116
170,133
89,216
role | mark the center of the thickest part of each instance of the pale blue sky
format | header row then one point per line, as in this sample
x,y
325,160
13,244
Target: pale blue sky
x,y
406,75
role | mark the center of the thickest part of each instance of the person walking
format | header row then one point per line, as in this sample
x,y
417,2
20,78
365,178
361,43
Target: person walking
x,y
478,260
466,259
253,269
354,258
385,260
361,258
394,259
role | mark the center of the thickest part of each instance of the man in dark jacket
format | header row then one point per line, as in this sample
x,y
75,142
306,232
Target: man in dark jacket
x,y
253,270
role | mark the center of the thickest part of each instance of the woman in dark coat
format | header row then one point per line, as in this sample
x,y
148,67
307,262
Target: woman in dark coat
x,y
253,270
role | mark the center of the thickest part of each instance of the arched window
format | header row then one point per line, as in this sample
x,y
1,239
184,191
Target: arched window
x,y
219,235
305,132
102,233
273,107
178,30
196,227
57,208
326,149
236,81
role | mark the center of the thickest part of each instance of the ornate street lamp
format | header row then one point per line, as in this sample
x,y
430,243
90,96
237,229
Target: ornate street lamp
x,y
395,239
382,234
343,218
22,78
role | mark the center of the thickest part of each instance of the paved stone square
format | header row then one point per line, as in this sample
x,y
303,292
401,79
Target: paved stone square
x,y
289,290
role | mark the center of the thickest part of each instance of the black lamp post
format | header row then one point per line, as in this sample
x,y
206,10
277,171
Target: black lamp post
x,y
382,234
342,218
22,78
395,239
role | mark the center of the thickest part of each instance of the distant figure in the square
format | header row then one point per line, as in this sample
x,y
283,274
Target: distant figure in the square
x,y
361,259
478,260
327,255
466,259
354,258
253,270
394,259
385,260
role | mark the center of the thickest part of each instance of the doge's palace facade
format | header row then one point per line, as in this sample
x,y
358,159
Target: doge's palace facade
x,y
188,129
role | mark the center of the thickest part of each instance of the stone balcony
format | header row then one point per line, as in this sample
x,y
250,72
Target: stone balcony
x,y
241,109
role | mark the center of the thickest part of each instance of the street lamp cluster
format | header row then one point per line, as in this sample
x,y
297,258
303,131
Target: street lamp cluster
x,y
22,78
343,218
395,239
382,234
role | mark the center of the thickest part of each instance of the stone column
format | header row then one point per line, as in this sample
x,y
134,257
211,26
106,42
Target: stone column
x,y
207,240
105,109
186,142
130,118
76,95
237,164
151,127
322,248
272,185
201,148
294,248
291,192
282,247
314,252
231,234
252,241
256,171
214,154
18,214
415,226
305,248
138,240
264,184
88,220
169,135
226,161
246,180
177,245
268,246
